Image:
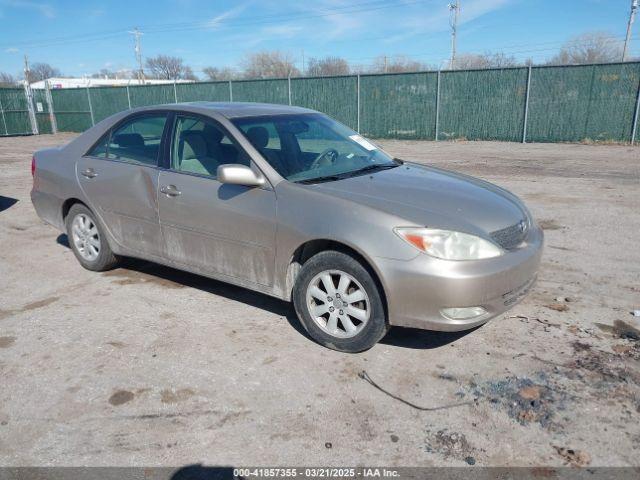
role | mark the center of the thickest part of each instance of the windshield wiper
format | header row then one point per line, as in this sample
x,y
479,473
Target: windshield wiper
x,y
327,178
368,168
371,168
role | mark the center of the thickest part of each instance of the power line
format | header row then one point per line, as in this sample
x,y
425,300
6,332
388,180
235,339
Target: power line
x,y
203,25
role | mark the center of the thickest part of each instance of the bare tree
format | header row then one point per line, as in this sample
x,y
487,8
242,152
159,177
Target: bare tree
x,y
273,64
187,74
319,67
397,64
104,73
42,71
488,60
165,67
590,47
215,73
7,80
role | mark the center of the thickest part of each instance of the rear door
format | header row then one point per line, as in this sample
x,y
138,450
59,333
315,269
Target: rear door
x,y
119,176
222,229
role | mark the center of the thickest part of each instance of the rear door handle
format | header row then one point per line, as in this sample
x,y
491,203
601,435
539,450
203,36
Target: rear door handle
x,y
89,173
170,191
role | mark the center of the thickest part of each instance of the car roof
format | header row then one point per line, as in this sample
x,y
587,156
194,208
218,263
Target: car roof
x,y
234,109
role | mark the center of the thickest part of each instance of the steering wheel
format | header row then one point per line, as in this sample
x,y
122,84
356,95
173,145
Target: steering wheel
x,y
330,153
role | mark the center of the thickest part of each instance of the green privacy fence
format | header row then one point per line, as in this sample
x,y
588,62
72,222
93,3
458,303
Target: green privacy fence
x,y
14,112
540,104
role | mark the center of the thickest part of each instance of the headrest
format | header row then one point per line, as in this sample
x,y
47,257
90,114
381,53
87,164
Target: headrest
x,y
129,140
212,134
258,136
194,145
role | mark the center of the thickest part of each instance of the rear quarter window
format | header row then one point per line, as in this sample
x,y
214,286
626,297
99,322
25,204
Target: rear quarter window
x,y
135,141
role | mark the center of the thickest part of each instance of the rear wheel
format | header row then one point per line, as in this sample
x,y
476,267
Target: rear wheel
x,y
339,303
87,240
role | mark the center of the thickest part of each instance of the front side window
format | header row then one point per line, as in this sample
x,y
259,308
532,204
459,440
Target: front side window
x,y
135,141
312,147
200,147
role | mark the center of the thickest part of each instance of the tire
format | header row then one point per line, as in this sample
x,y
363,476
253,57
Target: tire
x,y
89,243
352,330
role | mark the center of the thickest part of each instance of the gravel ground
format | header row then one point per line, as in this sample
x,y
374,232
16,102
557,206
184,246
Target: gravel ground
x,y
145,365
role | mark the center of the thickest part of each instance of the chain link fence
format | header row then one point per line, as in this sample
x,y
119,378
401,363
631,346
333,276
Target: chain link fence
x,y
584,103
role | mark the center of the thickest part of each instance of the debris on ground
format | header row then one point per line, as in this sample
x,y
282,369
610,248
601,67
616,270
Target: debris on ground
x,y
564,299
449,444
575,458
580,346
543,321
558,307
621,349
620,329
525,400
365,376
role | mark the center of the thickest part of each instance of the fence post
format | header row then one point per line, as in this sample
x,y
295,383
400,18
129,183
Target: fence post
x,y
289,87
128,95
230,92
358,102
4,120
52,113
437,104
634,127
32,114
526,106
175,91
93,122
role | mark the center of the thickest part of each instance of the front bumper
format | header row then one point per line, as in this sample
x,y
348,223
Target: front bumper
x,y
416,290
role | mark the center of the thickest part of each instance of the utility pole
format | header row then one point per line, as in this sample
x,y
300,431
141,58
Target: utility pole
x,y
138,51
627,40
26,69
454,10
29,96
385,64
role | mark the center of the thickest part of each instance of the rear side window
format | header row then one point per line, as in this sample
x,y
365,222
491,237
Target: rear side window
x,y
135,141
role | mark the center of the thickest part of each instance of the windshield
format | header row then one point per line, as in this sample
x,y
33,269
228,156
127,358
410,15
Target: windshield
x,y
309,148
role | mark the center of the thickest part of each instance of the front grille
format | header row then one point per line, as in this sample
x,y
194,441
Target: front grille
x,y
511,237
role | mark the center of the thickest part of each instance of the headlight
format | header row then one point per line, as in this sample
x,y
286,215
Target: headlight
x,y
448,245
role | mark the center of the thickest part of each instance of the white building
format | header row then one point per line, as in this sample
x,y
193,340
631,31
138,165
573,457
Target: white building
x,y
98,82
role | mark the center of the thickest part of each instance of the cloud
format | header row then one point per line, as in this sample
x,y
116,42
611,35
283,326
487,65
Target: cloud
x,y
11,50
284,30
232,12
43,8
437,19
96,13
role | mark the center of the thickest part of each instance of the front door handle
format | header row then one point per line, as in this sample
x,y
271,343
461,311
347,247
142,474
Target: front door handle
x,y
170,191
89,173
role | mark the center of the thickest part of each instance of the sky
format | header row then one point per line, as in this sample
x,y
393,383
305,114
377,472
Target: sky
x,y
82,37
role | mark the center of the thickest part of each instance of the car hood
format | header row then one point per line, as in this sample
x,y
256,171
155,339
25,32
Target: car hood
x,y
432,197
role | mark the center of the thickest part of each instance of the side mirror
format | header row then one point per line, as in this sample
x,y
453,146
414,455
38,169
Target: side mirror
x,y
237,174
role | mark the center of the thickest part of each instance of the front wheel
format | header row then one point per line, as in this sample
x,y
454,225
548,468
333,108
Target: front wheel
x,y
339,303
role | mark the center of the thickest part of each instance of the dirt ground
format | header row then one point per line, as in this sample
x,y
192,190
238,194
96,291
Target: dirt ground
x,y
145,365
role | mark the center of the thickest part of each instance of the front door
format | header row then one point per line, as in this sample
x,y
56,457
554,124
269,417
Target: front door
x,y
119,177
226,230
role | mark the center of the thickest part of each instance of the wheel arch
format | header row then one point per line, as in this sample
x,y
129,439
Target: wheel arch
x,y
312,247
68,203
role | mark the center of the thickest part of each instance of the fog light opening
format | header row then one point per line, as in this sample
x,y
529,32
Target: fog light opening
x,y
462,313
